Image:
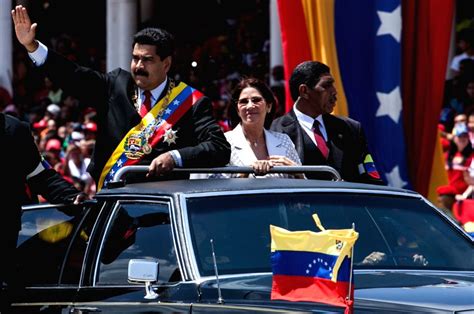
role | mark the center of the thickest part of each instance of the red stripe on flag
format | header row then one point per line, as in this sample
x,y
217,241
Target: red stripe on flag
x,y
426,33
294,39
311,289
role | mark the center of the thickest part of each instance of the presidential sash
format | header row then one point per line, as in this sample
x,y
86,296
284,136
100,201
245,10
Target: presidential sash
x,y
155,125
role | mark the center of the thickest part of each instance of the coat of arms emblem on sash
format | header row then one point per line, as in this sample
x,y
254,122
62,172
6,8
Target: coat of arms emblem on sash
x,y
133,146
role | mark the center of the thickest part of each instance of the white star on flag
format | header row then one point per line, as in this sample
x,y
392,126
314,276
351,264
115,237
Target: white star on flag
x,y
176,102
390,104
167,111
120,163
390,23
394,179
112,172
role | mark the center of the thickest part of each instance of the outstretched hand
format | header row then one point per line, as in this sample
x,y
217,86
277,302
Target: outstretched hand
x,y
24,30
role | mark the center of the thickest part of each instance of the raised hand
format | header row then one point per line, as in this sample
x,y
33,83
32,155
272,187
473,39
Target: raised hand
x,y
24,30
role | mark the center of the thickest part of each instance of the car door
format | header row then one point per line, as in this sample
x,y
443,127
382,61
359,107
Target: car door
x,y
133,230
43,282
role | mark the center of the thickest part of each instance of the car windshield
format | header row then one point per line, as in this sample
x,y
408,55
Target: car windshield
x,y
394,232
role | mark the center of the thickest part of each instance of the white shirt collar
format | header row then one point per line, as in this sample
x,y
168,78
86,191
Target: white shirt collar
x,y
307,123
155,93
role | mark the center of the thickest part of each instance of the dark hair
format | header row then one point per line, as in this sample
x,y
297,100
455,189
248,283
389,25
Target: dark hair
x,y
308,73
161,39
453,149
263,89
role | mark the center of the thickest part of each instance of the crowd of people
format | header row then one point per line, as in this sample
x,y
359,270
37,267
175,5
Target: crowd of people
x,y
87,123
457,131
66,127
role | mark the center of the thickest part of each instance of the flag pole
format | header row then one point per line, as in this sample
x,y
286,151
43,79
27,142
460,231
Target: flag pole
x,y
352,268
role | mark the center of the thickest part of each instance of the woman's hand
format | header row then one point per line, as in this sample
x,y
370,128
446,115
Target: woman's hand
x,y
281,161
261,167
285,161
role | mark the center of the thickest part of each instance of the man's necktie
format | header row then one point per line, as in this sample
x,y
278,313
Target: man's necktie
x,y
146,104
320,139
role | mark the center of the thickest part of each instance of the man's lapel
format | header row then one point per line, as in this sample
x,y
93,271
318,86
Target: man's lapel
x,y
295,131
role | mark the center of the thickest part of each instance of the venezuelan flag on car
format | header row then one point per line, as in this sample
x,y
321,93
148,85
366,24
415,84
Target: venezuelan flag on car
x,y
312,266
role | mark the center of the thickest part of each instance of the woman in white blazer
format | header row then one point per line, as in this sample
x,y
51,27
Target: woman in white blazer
x,y
252,144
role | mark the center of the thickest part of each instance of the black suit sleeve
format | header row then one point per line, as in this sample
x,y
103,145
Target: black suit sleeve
x,y
212,149
363,152
52,187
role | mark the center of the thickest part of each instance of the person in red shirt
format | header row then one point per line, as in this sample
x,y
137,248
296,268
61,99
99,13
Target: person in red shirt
x,y
459,157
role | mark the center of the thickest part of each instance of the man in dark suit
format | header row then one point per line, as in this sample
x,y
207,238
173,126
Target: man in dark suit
x,y
144,117
320,137
22,167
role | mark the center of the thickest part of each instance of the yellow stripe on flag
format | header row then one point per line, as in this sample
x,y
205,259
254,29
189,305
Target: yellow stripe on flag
x,y
319,17
439,175
336,242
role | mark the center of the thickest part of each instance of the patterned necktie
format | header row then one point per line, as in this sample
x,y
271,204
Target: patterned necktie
x,y
146,104
320,139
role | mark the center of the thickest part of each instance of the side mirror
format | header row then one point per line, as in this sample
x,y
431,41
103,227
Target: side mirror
x,y
144,270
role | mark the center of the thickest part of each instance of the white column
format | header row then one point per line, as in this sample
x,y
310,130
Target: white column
x,y
121,26
276,55
6,50
452,46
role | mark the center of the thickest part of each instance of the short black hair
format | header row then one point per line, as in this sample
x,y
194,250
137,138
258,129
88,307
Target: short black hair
x,y
263,89
308,73
158,37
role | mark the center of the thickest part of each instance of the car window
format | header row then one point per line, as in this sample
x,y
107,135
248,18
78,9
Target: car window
x,y
138,230
43,241
74,260
392,230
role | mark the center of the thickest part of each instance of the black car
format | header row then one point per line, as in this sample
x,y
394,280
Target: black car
x,y
146,248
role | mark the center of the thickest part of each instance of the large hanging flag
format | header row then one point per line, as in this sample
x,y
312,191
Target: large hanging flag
x,y
361,41
313,266
427,28
368,39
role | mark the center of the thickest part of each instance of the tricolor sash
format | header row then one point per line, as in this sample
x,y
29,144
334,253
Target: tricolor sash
x,y
152,128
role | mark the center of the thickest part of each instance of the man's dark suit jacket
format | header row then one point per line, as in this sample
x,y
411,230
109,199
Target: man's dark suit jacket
x,y
200,141
346,142
19,158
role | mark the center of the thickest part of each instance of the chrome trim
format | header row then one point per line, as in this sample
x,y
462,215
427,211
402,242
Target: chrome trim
x,y
88,248
161,200
233,169
304,190
194,270
176,234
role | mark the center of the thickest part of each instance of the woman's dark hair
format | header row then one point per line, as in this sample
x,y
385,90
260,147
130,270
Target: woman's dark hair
x,y
263,89
453,149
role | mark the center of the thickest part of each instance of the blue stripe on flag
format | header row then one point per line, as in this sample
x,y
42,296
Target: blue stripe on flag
x,y
308,264
369,56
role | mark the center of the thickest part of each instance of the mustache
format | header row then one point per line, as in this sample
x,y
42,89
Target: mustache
x,y
141,72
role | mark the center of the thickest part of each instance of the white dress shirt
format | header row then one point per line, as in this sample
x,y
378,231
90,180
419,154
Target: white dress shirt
x,y
307,122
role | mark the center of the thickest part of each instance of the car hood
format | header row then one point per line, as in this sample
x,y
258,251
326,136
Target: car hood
x,y
410,290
